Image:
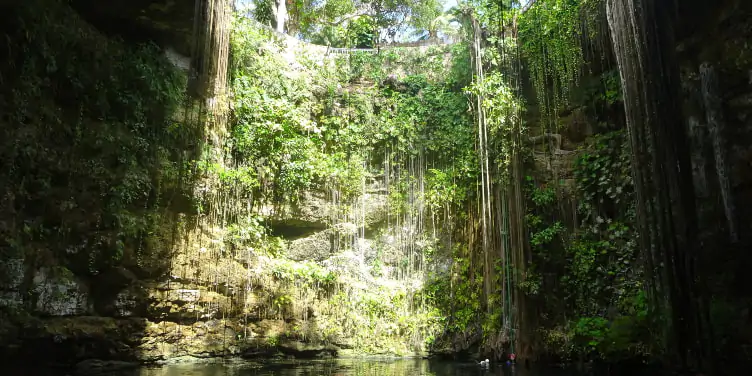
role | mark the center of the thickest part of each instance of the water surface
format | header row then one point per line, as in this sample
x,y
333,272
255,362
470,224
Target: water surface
x,y
401,367
336,367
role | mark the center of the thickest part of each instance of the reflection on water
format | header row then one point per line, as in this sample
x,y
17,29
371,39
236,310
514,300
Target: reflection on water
x,y
401,367
337,367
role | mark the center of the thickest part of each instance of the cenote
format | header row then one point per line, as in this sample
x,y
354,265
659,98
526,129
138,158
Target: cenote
x,y
310,185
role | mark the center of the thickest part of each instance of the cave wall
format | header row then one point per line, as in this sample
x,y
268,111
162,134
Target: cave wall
x,y
716,73
728,52
711,37
712,33
168,23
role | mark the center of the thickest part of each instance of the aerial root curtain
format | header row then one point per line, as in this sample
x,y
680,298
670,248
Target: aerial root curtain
x,y
502,211
642,35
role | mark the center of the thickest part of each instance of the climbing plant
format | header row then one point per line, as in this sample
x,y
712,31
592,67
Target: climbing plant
x,y
503,110
550,35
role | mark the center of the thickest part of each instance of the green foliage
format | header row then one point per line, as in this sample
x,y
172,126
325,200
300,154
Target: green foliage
x,y
611,87
351,23
362,21
357,32
89,142
294,130
462,302
378,321
272,340
550,34
430,63
600,96
249,234
603,175
503,111
589,332
443,189
543,231
599,277
303,125
307,273
274,139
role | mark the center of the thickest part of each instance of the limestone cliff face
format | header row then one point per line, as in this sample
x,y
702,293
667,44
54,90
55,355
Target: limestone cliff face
x,y
320,295
716,81
317,286
166,22
315,277
715,59
340,277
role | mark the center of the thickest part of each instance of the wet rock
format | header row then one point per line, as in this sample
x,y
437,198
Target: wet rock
x,y
126,304
188,302
365,249
309,214
313,213
70,340
118,292
374,208
269,328
576,127
13,271
59,293
11,275
321,245
168,340
305,350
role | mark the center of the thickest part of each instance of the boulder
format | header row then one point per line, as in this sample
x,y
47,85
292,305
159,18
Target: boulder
x,y
316,247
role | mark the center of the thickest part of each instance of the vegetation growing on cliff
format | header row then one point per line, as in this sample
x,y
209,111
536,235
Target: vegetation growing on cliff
x,y
337,126
92,151
477,196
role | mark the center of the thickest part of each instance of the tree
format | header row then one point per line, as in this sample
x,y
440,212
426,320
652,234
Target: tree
x,y
393,16
327,21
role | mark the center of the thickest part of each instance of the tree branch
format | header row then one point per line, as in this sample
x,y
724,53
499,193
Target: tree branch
x,y
528,6
347,17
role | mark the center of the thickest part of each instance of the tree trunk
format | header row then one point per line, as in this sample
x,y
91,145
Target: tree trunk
x,y
280,15
643,39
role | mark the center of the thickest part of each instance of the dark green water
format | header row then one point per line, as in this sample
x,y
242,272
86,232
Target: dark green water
x,y
339,367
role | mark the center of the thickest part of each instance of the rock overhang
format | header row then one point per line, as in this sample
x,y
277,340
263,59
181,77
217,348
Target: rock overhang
x,y
168,23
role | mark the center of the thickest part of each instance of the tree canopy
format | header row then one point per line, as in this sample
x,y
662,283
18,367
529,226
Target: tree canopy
x,y
352,23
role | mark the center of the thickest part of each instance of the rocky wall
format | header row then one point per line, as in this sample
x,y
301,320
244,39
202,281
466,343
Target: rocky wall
x,y
716,76
316,297
717,86
311,289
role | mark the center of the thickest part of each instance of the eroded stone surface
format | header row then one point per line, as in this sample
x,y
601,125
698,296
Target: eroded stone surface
x,y
59,293
13,271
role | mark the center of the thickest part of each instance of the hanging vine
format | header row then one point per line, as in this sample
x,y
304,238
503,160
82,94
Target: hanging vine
x,y
550,32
